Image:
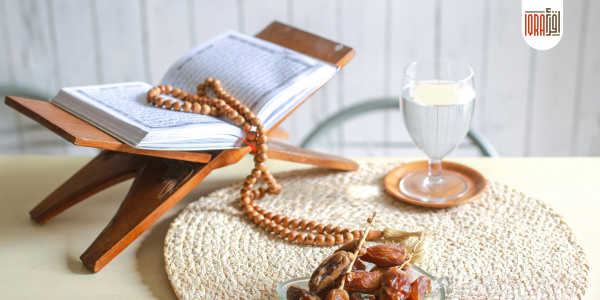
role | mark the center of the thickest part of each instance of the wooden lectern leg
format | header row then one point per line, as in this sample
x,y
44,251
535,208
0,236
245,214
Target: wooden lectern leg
x,y
159,184
107,169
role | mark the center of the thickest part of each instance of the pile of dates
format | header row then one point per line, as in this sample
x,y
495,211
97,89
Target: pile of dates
x,y
390,278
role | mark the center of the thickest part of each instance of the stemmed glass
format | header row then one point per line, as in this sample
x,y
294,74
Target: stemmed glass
x,y
438,99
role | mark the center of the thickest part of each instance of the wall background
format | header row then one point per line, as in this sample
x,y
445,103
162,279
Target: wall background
x,y
529,103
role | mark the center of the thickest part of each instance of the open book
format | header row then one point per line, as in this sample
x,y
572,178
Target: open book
x,y
269,79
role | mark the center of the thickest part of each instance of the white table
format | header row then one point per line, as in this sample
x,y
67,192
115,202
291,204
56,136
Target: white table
x,y
43,261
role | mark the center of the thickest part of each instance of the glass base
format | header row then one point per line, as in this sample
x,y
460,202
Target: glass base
x,y
449,186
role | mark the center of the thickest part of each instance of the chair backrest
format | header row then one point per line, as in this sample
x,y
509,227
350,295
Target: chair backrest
x,y
486,148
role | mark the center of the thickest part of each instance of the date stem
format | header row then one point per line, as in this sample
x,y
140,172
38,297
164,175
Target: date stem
x,y
360,245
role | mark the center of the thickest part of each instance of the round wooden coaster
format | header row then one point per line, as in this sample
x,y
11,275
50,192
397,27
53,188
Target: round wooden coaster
x,y
476,182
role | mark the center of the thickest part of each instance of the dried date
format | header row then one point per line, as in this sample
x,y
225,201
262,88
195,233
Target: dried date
x,y
386,255
379,269
296,293
412,275
325,292
328,271
362,282
420,287
349,247
337,294
395,284
359,266
379,295
355,296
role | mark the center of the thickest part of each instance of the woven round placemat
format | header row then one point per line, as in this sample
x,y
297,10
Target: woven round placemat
x,y
504,245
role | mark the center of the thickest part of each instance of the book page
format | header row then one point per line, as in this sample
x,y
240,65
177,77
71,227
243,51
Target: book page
x,y
127,102
250,69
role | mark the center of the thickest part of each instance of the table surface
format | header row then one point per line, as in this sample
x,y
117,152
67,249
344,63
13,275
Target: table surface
x,y
43,261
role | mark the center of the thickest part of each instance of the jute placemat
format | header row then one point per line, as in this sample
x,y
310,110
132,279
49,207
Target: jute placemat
x,y
504,245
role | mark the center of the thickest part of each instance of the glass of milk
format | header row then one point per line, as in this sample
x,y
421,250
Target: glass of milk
x,y
437,100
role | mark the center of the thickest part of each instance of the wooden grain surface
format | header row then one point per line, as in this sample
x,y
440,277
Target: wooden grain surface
x,y
363,24
506,95
119,64
43,261
551,117
75,19
304,42
324,102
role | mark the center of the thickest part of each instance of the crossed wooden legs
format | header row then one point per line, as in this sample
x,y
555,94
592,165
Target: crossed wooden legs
x,y
160,183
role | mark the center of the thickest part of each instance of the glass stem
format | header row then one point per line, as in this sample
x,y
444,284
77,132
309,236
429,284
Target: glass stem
x,y
435,170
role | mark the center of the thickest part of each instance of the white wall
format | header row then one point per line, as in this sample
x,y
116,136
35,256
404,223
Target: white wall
x,y
532,103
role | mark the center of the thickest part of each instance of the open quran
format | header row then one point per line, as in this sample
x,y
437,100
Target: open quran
x,y
269,79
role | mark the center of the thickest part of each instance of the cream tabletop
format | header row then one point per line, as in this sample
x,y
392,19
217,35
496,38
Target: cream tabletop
x,y
43,261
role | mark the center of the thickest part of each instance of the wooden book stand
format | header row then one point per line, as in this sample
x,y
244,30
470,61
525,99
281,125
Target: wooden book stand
x,y
162,178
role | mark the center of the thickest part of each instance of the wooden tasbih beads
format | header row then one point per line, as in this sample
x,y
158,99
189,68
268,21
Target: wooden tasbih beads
x,y
225,104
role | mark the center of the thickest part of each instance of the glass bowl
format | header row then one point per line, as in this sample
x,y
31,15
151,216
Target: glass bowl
x,y
440,287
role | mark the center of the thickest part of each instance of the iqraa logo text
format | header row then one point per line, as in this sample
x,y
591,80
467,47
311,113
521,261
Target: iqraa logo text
x,y
542,23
